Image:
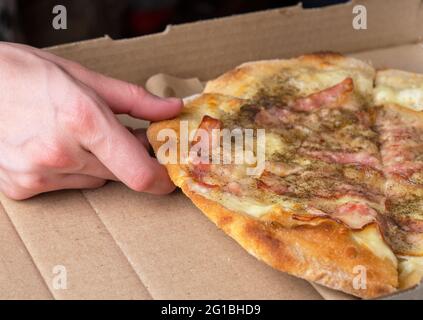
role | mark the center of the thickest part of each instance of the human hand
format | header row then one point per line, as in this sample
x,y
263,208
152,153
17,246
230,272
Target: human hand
x,y
58,129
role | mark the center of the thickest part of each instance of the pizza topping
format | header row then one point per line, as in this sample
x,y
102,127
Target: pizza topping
x,y
270,182
409,170
319,183
361,158
208,124
200,170
323,156
207,135
282,169
275,116
355,215
406,211
412,225
234,188
402,145
328,98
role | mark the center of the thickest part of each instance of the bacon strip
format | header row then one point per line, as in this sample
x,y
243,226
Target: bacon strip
x,y
412,225
355,215
281,169
275,116
361,158
270,182
330,97
208,124
402,144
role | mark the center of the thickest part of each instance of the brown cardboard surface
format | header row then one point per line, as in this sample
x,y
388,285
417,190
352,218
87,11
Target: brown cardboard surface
x,y
61,229
19,276
115,243
407,57
164,239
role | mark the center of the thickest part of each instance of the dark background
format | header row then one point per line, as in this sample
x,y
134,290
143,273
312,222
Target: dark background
x,y
30,21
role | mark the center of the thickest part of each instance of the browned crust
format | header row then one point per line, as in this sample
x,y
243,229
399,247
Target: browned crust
x,y
324,253
405,113
246,72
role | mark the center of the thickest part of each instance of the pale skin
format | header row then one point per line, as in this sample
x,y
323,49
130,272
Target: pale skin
x,y
58,128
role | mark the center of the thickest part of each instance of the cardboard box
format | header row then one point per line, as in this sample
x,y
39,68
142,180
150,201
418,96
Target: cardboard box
x,y
118,244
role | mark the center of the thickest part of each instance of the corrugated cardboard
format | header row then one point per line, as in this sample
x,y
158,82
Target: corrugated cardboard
x,y
119,244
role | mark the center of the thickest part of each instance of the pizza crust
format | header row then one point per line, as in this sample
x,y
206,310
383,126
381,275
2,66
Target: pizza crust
x,y
308,73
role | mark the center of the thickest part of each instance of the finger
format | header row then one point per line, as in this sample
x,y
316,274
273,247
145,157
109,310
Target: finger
x,y
94,167
141,135
52,183
127,98
76,181
121,97
123,154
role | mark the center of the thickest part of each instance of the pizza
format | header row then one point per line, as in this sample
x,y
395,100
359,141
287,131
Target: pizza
x,y
330,188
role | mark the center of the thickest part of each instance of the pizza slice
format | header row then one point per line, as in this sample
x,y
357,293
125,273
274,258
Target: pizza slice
x,y
313,209
399,123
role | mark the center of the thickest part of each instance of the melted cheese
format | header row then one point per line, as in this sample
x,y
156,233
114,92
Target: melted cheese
x,y
410,271
309,81
399,87
244,204
234,203
371,238
274,144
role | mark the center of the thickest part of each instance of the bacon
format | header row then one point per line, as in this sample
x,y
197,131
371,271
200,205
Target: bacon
x,y
330,97
361,158
208,124
270,182
355,215
281,169
395,133
275,116
200,170
406,169
234,188
412,225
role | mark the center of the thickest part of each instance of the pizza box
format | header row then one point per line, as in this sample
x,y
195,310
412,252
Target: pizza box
x,y
113,243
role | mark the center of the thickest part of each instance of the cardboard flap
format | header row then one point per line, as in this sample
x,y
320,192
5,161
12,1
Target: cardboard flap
x,y
61,229
207,48
19,276
179,254
164,85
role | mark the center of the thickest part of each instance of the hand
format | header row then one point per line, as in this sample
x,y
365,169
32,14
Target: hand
x,y
58,129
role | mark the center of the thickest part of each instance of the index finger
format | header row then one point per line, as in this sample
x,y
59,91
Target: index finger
x,y
124,97
120,96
